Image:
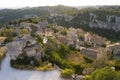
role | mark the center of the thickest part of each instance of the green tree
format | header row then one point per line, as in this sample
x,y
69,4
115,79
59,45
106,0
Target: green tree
x,y
7,32
78,69
106,73
67,73
63,50
24,31
64,32
40,39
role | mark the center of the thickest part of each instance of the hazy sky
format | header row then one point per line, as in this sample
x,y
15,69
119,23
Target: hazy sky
x,y
32,3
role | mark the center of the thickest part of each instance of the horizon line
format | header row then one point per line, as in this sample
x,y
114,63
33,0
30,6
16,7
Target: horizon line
x,y
55,5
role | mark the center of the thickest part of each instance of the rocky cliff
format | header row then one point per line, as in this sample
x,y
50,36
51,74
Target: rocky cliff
x,y
112,22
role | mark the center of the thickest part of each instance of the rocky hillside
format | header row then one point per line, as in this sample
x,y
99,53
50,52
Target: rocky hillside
x,y
102,20
105,22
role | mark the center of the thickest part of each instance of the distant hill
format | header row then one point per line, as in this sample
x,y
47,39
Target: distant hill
x,y
10,14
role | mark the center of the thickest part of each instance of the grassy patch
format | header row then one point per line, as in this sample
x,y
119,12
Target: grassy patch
x,y
2,52
45,66
76,58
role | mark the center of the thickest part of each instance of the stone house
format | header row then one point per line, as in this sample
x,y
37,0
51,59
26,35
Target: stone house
x,y
114,49
28,40
26,25
71,39
72,35
76,31
25,44
17,30
102,54
48,32
64,39
34,50
98,53
99,41
89,52
43,23
94,40
14,49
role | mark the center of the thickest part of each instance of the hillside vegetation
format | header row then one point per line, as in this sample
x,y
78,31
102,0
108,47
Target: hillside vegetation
x,y
11,14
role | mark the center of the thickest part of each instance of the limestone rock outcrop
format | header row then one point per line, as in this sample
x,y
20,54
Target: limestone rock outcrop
x,y
111,22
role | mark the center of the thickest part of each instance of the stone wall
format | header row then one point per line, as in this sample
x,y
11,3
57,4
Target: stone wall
x,y
89,52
